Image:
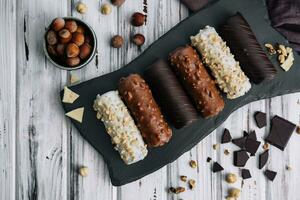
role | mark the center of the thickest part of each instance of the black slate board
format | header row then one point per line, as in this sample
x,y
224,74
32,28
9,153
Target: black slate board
x,y
184,139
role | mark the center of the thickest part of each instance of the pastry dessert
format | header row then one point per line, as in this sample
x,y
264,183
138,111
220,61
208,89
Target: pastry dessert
x,y
170,94
196,80
217,56
244,45
121,127
145,111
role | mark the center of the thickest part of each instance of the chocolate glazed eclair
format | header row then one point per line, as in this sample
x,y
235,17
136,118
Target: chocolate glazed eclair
x,y
196,80
170,94
138,98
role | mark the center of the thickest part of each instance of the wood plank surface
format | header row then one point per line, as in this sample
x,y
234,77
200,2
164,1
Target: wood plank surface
x,y
41,151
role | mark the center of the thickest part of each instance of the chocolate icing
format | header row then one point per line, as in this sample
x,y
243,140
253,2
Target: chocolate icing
x,y
244,45
170,94
138,98
196,80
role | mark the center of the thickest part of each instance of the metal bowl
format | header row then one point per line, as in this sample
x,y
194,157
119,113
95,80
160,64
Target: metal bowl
x,y
87,61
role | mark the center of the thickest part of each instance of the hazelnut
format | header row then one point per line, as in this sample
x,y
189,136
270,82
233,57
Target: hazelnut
x,y
183,178
81,8
138,19
231,178
105,9
83,171
117,2
234,192
138,39
78,38
60,49
80,29
85,51
58,24
117,41
64,36
51,37
193,164
72,50
71,25
73,61
51,50
87,39
192,184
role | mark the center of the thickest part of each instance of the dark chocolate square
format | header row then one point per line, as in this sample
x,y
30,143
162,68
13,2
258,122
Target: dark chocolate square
x,y
246,174
260,119
240,158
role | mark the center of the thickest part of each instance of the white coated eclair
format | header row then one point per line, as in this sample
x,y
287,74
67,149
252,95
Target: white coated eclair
x,y
217,56
121,127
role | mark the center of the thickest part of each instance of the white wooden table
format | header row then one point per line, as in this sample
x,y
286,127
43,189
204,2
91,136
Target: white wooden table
x,y
40,150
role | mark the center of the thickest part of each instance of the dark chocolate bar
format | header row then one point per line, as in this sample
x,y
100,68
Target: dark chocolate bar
x,y
246,49
138,98
170,94
196,80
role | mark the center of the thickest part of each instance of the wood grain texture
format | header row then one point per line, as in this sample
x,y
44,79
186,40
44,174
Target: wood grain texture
x,y
41,151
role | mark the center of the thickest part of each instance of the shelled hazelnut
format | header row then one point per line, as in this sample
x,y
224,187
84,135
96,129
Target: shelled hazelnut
x,y
138,39
231,178
105,9
81,8
73,61
72,50
78,38
64,36
58,24
80,29
117,41
60,49
71,25
83,171
51,50
138,19
85,50
51,37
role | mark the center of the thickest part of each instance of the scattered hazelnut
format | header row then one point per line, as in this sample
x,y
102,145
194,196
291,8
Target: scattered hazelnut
x,y
234,192
51,50
71,25
85,50
60,49
216,146
176,190
78,38
193,164
138,19
183,178
58,24
192,184
266,146
81,8
73,61
231,178
117,2
172,190
117,41
226,152
105,9
230,198
80,29
138,39
51,37
289,168
298,129
72,50
64,36
83,171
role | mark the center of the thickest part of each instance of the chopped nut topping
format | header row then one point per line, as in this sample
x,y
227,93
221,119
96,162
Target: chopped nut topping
x,y
179,190
193,164
226,152
216,146
192,184
231,178
266,146
183,178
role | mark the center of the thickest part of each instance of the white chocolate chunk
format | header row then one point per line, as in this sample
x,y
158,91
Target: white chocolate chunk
x,y
121,127
217,56
69,96
74,79
76,114
288,63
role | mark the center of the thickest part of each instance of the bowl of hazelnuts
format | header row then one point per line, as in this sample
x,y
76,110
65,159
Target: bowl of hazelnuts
x,y
70,43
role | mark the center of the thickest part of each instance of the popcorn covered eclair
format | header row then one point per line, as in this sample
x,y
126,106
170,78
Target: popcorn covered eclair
x,y
121,127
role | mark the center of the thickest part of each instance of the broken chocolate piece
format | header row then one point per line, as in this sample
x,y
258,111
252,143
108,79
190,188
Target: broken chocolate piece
x,y
208,159
240,158
252,135
245,133
246,49
281,132
240,142
226,137
263,158
270,174
195,5
246,174
217,167
251,145
260,119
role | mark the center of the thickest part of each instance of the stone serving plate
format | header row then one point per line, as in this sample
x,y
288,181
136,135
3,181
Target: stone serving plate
x,y
184,139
